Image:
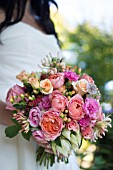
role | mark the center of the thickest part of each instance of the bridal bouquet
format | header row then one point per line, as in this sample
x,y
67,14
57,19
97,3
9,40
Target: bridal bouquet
x,y
57,107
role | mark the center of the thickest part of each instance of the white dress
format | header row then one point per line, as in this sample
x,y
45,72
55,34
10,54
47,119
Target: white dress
x,y
23,48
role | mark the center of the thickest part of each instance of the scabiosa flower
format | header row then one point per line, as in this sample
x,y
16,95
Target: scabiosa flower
x,y
91,107
72,76
45,103
91,88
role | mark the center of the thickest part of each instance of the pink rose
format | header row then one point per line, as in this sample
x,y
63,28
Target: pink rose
x,y
87,133
51,125
58,101
13,96
34,116
88,78
75,107
39,137
73,125
57,80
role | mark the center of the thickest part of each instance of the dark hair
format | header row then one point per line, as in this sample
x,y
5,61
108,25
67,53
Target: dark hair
x,y
39,8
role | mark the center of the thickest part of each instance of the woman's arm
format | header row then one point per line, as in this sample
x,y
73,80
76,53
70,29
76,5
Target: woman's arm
x,y
5,115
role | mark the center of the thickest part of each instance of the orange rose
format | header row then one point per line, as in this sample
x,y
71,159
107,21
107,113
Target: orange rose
x,y
51,125
46,86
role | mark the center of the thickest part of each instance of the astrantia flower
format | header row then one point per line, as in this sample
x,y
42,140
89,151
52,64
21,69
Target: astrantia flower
x,y
91,107
91,88
72,76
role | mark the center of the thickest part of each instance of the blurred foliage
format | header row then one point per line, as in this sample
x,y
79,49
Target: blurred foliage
x,y
94,51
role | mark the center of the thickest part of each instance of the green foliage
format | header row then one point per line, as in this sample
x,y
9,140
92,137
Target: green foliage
x,y
21,105
27,135
12,131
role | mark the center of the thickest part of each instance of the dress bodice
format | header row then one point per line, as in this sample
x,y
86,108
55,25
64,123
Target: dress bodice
x,y
23,47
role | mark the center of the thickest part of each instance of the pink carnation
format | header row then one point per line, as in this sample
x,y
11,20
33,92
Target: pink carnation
x,y
72,76
84,122
91,107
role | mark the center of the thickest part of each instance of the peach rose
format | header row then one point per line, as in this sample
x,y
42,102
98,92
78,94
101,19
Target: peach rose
x,y
34,82
88,133
88,78
75,107
22,76
58,101
80,86
57,80
51,124
46,86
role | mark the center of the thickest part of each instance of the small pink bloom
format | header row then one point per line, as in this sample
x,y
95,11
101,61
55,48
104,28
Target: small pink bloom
x,y
58,101
51,125
73,125
87,133
91,107
88,78
75,107
34,116
14,95
84,122
57,80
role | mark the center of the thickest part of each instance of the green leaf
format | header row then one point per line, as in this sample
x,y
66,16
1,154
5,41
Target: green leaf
x,y
21,105
27,135
58,141
12,131
15,121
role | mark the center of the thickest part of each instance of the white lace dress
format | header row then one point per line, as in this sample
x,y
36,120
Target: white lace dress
x,y
23,48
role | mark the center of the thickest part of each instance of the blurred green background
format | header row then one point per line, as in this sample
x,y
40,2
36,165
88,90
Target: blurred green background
x,y
91,48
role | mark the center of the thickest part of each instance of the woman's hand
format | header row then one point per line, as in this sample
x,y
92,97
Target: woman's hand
x,y
5,115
